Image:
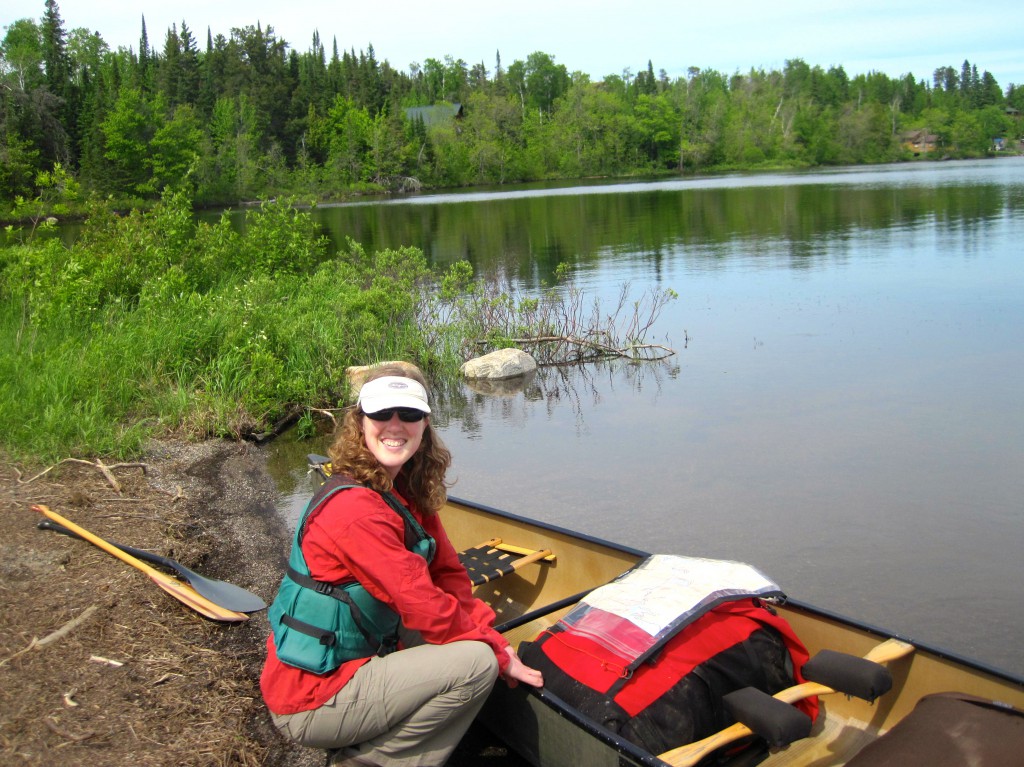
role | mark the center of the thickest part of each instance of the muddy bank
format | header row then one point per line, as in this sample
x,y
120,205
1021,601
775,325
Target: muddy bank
x,y
142,680
126,675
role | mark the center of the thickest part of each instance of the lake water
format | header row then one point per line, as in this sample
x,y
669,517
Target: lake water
x,y
845,407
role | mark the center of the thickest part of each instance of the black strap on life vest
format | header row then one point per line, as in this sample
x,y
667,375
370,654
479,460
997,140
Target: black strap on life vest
x,y
388,644
413,534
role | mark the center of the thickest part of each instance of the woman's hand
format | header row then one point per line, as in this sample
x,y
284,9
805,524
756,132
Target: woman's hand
x,y
517,671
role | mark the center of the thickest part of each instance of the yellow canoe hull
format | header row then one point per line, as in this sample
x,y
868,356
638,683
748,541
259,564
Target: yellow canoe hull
x,y
549,733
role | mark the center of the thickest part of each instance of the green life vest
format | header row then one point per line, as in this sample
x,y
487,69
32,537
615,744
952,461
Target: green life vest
x,y
318,626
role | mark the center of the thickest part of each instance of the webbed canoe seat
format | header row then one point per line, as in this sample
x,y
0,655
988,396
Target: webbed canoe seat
x,y
493,559
486,562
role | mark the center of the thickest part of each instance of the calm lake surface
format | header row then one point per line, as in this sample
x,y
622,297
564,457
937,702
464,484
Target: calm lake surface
x,y
845,409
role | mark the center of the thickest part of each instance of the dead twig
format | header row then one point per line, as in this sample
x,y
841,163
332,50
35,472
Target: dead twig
x,y
105,661
176,496
559,326
326,412
107,471
54,636
68,627
61,732
592,350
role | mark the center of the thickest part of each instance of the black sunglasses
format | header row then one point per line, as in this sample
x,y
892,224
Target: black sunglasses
x,y
405,414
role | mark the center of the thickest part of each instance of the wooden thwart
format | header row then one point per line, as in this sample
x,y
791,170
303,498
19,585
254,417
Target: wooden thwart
x,y
690,754
494,559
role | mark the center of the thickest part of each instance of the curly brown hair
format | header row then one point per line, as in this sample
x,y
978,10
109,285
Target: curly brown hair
x,y
422,479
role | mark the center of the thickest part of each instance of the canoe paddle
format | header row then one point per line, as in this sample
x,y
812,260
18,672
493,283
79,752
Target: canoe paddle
x,y
690,754
180,591
225,594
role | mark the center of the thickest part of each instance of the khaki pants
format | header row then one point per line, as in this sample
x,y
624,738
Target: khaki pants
x,y
409,709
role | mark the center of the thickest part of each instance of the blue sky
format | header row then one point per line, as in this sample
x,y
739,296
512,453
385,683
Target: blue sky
x,y
600,37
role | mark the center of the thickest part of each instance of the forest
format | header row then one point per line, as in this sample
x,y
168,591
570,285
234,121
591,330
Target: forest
x,y
244,115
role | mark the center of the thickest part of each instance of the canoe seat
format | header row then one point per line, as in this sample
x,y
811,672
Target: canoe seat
x,y
489,561
493,559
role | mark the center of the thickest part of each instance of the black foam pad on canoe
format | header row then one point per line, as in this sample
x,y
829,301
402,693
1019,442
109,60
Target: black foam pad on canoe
x,y
777,722
848,673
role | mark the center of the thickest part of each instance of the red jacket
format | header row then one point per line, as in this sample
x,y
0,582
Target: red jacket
x,y
356,535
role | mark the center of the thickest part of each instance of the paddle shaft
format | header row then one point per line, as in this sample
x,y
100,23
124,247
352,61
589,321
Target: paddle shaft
x,y
180,591
690,754
227,595
146,556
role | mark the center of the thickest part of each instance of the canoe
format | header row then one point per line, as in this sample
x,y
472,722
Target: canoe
x,y
548,732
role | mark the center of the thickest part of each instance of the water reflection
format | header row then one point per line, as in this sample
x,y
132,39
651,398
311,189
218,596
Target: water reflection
x,y
847,416
471,407
526,234
502,387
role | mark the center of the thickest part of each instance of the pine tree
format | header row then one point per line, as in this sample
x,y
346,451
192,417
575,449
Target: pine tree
x,y
55,54
57,68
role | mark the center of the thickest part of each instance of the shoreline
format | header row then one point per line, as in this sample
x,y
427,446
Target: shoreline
x,y
187,689
138,679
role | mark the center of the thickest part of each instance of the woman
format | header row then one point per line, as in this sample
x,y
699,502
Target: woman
x,y
372,529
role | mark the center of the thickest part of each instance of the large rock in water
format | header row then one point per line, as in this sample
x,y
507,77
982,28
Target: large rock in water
x,y
504,363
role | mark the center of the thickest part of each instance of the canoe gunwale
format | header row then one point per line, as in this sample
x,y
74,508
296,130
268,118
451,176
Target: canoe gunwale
x,y
920,647
795,604
540,612
639,553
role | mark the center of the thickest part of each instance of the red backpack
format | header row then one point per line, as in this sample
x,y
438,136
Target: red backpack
x,y
670,692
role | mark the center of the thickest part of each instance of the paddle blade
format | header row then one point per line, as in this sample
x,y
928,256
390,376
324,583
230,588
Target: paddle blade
x,y
227,595
190,597
180,591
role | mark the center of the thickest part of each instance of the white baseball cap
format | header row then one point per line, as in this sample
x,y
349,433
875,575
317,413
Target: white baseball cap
x,y
392,391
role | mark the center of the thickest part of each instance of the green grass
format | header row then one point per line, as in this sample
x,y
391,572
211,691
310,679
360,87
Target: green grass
x,y
152,324
149,325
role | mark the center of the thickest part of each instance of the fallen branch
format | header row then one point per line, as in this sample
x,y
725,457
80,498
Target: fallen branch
x,y
52,726
325,412
97,464
599,350
54,636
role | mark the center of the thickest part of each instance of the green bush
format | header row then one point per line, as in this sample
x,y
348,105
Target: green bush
x,y
150,323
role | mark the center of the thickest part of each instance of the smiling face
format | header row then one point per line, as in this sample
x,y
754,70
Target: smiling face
x,y
393,442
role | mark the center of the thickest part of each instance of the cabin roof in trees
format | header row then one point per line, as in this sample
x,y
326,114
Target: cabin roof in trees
x,y
920,139
435,115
